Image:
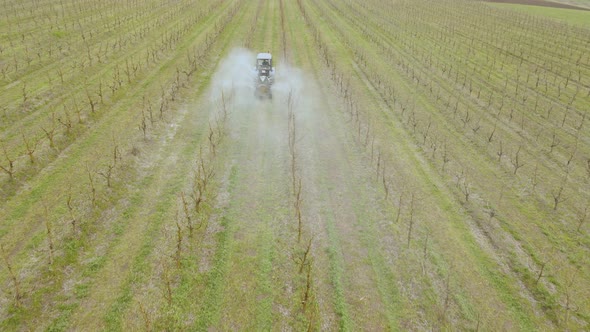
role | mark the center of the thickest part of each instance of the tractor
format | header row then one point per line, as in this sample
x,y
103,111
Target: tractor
x,y
265,73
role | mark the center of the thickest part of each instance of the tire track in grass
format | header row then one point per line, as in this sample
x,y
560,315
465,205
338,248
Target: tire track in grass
x,y
299,50
328,216
334,310
361,225
364,297
190,285
336,263
275,211
209,310
197,278
161,209
258,201
270,206
191,277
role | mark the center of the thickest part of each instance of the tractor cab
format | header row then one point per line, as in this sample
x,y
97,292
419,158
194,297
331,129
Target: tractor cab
x,y
264,75
264,64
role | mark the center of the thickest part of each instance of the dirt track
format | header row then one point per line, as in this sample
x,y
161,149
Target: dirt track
x,y
540,3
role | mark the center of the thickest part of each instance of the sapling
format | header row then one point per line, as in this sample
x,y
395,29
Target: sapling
x,y
149,110
500,151
569,161
78,111
378,162
107,174
167,283
50,133
143,125
91,102
179,237
212,141
100,93
425,251
570,288
292,139
146,317
92,185
516,161
304,261
540,275
307,294
583,216
491,136
445,156
399,206
297,204
447,300
70,206
385,185
30,147
535,177
13,276
49,230
411,220
25,94
558,194
187,214
9,168
117,156
465,189
554,142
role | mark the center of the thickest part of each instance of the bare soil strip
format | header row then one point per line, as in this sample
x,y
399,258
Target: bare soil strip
x,y
541,3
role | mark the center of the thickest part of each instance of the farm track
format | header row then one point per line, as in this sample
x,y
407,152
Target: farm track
x,y
543,3
409,219
351,213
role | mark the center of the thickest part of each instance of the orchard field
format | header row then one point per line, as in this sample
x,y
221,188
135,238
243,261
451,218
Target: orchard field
x,y
422,165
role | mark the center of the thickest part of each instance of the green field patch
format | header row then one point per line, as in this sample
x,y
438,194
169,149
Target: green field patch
x,y
59,33
336,272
